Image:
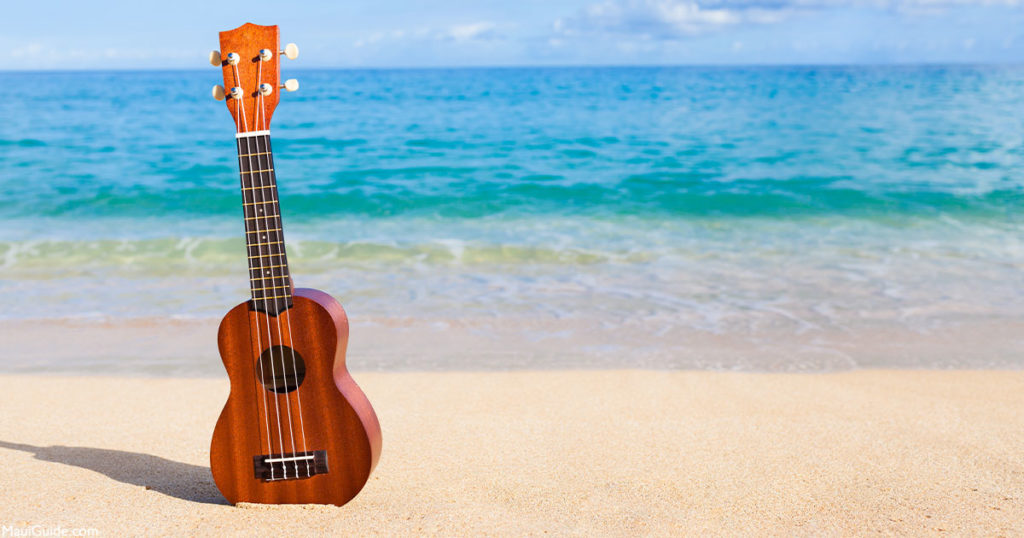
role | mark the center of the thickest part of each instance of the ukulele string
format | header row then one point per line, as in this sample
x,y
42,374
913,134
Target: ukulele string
x,y
285,284
239,122
273,374
253,166
260,119
298,399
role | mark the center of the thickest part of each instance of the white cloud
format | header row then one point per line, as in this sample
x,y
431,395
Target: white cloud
x,y
31,51
458,33
673,19
39,55
651,18
825,4
468,32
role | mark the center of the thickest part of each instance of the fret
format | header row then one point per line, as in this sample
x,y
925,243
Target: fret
x,y
272,244
282,277
267,267
275,303
257,281
277,297
265,195
260,164
272,236
271,288
258,193
265,235
272,276
263,231
260,222
270,251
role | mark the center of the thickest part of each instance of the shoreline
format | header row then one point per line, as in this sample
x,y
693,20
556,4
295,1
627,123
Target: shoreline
x,y
187,347
615,452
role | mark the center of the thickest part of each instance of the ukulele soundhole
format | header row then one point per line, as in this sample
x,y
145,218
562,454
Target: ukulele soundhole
x,y
280,369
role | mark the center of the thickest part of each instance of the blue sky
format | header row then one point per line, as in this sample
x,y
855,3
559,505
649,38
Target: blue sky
x,y
116,34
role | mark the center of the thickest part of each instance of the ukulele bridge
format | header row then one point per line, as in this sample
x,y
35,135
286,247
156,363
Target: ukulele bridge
x,y
290,466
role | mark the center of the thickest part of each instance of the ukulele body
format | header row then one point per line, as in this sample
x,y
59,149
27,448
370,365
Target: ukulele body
x,y
337,422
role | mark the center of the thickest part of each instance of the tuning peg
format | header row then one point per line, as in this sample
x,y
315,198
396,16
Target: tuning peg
x,y
218,92
291,51
236,93
266,55
234,58
266,89
290,85
215,58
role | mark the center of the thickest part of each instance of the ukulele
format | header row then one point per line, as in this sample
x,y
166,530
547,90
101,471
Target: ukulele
x,y
296,428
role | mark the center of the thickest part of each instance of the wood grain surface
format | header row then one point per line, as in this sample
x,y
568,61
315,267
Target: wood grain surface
x,y
250,113
335,414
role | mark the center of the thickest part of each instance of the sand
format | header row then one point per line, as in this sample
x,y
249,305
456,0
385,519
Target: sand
x,y
562,452
184,347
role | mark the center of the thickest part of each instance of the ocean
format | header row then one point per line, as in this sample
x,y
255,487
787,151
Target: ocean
x,y
762,218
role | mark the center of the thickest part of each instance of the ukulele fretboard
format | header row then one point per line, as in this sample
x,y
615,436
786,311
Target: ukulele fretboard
x,y
268,265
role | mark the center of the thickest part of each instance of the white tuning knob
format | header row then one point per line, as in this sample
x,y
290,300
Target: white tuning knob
x,y
218,92
266,55
234,58
290,85
215,58
236,93
266,89
291,51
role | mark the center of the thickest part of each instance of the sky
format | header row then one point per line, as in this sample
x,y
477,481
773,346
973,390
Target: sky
x,y
116,34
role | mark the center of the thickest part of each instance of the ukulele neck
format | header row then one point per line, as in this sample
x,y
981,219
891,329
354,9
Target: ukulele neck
x,y
269,278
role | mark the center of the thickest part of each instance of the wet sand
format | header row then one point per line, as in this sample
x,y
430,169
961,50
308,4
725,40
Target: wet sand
x,y
561,452
186,347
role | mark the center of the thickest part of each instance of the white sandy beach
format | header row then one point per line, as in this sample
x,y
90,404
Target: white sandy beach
x,y
568,452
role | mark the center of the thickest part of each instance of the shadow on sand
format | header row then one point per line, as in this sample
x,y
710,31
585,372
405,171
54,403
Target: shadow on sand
x,y
181,480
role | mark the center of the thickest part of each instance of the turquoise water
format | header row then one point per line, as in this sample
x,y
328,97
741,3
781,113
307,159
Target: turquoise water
x,y
725,200
657,143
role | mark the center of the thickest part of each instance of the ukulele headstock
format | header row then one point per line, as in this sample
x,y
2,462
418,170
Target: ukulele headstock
x,y
249,58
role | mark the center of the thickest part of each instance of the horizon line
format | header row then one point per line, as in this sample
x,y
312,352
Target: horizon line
x,y
550,66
